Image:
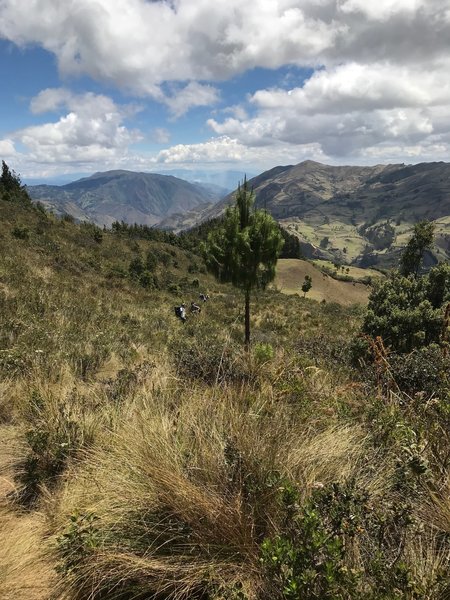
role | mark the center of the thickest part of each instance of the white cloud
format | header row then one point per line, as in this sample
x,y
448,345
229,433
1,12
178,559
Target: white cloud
x,y
7,148
91,130
137,44
193,94
49,100
381,9
380,80
348,109
224,150
161,135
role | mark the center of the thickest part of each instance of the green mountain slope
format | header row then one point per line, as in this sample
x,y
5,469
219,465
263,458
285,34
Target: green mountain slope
x,y
103,198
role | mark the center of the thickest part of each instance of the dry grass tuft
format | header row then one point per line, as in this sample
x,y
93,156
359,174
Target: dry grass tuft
x,y
183,494
25,573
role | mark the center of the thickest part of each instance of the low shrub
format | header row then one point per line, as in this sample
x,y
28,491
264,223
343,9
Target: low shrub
x,y
423,370
21,232
263,352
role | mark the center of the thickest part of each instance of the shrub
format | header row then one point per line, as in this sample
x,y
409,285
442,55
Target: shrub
x,y
340,545
151,261
136,267
77,542
423,370
21,232
148,280
97,235
263,352
401,311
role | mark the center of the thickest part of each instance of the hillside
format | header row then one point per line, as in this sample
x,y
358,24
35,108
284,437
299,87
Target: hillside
x,y
357,215
291,274
103,198
142,457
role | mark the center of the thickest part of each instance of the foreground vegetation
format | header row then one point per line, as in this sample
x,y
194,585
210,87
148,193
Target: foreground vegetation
x,y
146,458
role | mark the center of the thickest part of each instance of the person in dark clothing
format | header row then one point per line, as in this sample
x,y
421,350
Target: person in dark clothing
x,y
195,308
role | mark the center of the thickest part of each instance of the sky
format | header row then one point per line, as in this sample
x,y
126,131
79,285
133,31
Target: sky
x,y
150,85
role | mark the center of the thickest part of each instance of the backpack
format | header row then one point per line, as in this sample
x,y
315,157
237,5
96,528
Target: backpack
x,y
177,311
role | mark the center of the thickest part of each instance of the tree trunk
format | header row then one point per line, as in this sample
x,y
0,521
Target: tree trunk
x,y
247,320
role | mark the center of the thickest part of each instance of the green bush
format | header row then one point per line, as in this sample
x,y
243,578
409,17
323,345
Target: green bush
x,y
21,232
315,556
423,370
148,280
263,352
77,542
407,312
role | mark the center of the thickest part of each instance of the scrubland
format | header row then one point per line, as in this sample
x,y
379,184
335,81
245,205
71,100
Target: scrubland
x,y
142,458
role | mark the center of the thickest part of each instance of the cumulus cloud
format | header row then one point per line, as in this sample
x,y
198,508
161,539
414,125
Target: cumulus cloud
x,y
140,44
380,76
381,9
193,94
348,109
225,149
7,148
91,129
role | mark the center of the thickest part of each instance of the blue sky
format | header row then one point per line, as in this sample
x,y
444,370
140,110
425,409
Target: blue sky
x,y
91,85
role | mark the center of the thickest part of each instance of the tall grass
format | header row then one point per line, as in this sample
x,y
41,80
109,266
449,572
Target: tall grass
x,y
25,573
181,499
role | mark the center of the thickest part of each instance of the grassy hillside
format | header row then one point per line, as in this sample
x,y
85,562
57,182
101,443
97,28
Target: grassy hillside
x,y
143,458
291,274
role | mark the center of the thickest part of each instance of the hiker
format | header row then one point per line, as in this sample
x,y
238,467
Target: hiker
x,y
180,312
183,313
195,308
204,297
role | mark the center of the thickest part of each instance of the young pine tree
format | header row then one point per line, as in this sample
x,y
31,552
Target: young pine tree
x,y
244,249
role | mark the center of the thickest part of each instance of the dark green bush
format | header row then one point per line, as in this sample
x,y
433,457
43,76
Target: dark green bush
x,y
151,261
21,232
148,280
423,370
313,558
136,267
408,312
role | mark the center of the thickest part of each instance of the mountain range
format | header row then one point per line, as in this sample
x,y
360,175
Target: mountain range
x,y
145,198
355,215
348,214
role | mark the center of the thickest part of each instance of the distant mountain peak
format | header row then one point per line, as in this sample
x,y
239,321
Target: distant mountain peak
x,y
120,195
